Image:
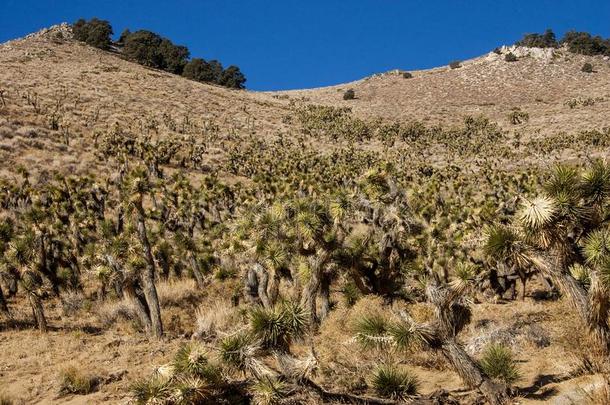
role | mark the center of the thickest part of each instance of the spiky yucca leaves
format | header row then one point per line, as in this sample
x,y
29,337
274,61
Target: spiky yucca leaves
x,y
504,243
595,182
498,363
153,390
371,331
351,294
240,352
192,359
390,381
582,274
278,326
269,391
538,212
189,390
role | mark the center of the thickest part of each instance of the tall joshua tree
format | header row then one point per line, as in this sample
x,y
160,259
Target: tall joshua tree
x,y
138,186
563,233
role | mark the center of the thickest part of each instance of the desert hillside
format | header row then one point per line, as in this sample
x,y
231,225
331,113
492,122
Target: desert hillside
x,y
541,82
169,241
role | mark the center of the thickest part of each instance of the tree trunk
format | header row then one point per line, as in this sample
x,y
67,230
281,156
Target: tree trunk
x,y
196,268
324,296
148,277
3,305
595,321
263,281
471,374
133,293
274,287
38,312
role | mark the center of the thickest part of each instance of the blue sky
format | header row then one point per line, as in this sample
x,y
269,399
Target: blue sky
x,y
284,44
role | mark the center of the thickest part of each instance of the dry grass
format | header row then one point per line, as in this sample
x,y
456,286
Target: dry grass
x,y
216,319
74,379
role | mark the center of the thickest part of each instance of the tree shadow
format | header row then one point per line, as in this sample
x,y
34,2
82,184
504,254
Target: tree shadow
x,y
539,384
19,324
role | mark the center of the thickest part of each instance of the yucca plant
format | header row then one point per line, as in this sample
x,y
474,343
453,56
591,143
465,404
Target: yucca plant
x,y
193,360
152,390
498,362
390,381
277,327
269,391
558,231
371,331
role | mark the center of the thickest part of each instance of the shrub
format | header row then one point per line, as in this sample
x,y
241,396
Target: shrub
x,y
407,75
546,40
455,64
233,78
94,32
150,49
392,382
586,44
200,70
510,57
349,95
517,116
72,380
587,68
498,363
212,72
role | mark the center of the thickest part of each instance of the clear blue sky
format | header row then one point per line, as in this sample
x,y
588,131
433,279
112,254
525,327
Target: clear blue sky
x,y
284,44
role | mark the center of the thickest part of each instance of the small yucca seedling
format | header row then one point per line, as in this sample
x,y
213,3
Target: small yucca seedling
x,y
192,360
74,381
391,382
269,391
372,331
155,390
498,363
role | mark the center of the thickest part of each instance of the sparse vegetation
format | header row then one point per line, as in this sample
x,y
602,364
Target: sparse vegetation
x,y
407,75
545,40
74,380
150,49
510,57
455,64
586,44
349,94
587,68
517,116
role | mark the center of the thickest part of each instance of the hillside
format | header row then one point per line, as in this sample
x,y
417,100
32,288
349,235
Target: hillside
x,y
541,82
351,213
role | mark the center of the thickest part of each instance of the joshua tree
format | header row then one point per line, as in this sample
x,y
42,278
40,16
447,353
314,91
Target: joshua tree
x,y
139,185
563,233
451,315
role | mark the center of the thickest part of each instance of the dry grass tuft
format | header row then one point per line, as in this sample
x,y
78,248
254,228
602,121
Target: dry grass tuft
x,y
112,312
216,319
74,380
